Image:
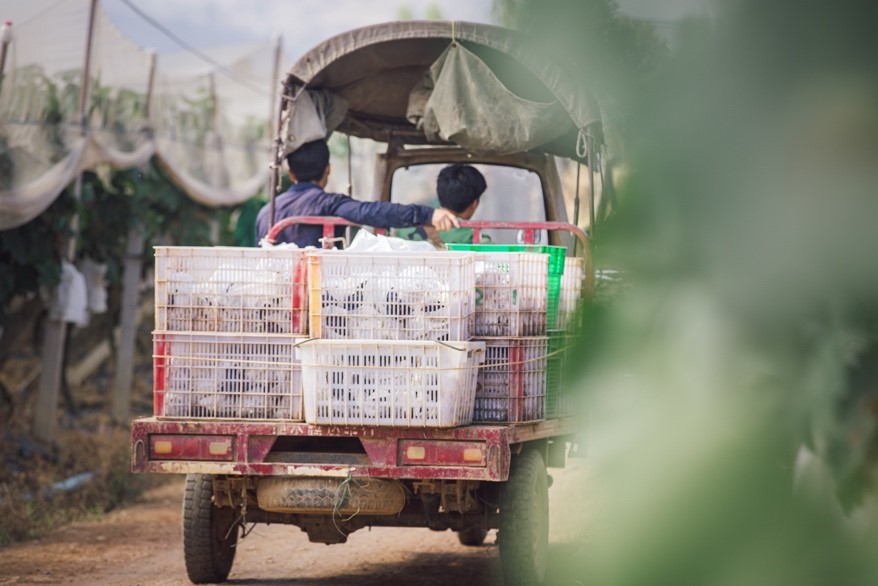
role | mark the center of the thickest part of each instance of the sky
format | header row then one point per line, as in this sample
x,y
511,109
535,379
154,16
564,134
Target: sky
x,y
304,23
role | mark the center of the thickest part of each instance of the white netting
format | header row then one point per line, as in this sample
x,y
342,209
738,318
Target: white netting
x,y
210,126
41,148
207,119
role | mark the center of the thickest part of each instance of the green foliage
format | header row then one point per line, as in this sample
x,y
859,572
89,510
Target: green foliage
x,y
610,55
750,328
30,255
433,12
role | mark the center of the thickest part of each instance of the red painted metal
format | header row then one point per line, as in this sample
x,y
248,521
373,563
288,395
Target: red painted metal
x,y
300,295
253,441
529,228
329,224
158,375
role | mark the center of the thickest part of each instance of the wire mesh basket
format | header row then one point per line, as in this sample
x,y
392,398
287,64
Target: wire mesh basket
x,y
237,376
571,290
512,382
227,289
511,293
390,383
562,397
394,296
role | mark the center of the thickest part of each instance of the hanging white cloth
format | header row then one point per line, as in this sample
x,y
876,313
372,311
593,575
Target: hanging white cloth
x,y
71,298
96,285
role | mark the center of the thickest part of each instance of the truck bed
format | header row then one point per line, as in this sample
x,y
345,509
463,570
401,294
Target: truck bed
x,y
277,448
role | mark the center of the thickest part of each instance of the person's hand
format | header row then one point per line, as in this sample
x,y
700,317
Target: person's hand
x,y
445,219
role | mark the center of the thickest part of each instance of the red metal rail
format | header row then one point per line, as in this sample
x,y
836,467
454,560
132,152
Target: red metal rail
x,y
529,230
329,224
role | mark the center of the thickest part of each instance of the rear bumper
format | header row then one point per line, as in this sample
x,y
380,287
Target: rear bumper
x,y
268,448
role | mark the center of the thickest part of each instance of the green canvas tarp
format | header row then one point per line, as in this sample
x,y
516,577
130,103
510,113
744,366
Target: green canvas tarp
x,y
461,100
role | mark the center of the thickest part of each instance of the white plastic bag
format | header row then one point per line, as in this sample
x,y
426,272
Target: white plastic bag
x,y
71,299
366,241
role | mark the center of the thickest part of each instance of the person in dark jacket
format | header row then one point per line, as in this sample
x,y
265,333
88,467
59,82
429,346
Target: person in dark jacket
x,y
309,170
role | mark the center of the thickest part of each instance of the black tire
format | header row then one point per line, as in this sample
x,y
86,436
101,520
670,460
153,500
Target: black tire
x,y
210,533
523,539
472,536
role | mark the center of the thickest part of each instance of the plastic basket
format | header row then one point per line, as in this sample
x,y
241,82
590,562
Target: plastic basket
x,y
226,376
226,289
394,296
571,289
559,397
556,255
512,382
390,383
510,294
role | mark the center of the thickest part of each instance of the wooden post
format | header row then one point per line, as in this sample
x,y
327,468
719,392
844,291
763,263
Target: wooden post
x,y
5,39
128,325
275,141
130,296
271,128
56,330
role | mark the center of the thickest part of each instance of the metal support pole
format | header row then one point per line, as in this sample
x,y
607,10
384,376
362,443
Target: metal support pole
x,y
589,144
350,168
56,330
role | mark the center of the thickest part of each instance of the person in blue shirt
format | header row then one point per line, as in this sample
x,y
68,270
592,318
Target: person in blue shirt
x,y
309,170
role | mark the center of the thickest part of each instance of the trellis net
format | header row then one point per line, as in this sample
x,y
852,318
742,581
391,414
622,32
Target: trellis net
x,y
204,117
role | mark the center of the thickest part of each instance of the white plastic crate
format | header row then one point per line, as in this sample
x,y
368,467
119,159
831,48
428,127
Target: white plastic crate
x,y
198,375
392,296
512,382
511,293
392,383
227,289
571,289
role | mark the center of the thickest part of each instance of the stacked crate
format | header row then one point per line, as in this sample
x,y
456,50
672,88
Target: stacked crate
x,y
517,292
570,291
227,322
392,339
561,340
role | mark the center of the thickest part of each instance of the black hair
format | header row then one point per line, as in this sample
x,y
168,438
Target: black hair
x,y
458,186
309,161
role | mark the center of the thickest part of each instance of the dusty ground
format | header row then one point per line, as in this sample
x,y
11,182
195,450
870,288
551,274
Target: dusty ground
x,y
141,545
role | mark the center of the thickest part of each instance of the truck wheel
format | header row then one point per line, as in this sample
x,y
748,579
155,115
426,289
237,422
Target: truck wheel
x,y
472,536
523,539
209,533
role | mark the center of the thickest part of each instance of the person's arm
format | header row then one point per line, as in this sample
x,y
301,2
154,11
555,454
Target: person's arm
x,y
391,215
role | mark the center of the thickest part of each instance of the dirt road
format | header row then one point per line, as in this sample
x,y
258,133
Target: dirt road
x,y
141,545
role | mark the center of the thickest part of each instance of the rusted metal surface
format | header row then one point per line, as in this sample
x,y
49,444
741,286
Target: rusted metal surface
x,y
445,450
